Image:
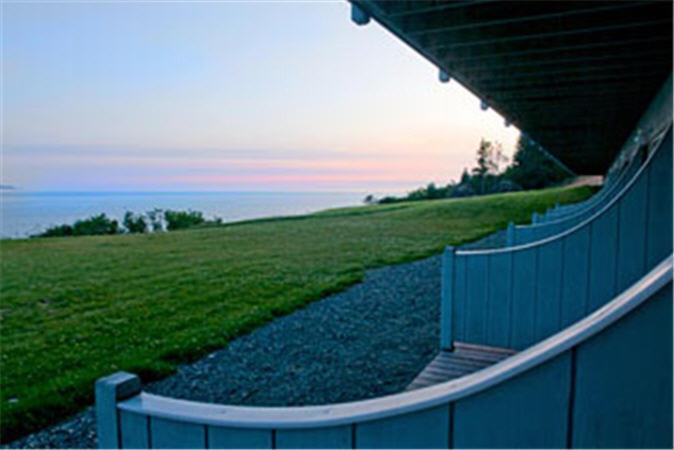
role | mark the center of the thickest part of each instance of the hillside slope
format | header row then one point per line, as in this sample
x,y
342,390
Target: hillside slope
x,y
74,309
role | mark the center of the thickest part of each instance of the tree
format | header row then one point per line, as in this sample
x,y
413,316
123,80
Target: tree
x,y
465,177
369,199
489,159
179,220
532,168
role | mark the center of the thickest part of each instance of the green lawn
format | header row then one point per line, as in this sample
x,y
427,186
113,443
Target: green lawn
x,y
74,309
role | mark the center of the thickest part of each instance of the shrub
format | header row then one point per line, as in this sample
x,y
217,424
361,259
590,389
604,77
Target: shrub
x,y
179,220
463,190
95,225
57,231
505,186
135,223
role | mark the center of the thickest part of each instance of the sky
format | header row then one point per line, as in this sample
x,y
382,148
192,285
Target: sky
x,y
263,96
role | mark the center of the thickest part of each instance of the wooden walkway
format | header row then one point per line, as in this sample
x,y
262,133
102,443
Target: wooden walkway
x,y
463,360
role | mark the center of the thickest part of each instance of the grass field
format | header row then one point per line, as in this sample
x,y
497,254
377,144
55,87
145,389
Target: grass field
x,y
74,309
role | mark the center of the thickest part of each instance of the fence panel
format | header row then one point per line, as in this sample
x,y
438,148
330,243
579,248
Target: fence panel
x,y
623,385
522,319
333,437
529,411
134,430
575,277
165,433
222,437
421,429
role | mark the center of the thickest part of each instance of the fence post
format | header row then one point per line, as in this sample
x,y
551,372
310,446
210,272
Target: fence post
x,y
510,235
110,390
447,299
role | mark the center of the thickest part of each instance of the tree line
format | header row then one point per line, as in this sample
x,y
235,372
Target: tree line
x,y
156,220
529,169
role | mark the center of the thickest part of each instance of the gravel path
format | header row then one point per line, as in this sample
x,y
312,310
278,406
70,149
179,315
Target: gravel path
x,y
369,340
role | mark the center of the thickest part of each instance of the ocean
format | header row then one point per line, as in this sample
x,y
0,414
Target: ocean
x,y
27,213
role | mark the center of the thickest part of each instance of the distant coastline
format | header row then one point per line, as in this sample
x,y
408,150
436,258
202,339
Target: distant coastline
x,y
26,213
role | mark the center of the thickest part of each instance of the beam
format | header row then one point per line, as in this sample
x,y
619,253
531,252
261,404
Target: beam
x,y
560,49
520,19
508,63
555,34
436,8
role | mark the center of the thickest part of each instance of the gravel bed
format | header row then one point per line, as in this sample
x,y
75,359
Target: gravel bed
x,y
369,340
494,240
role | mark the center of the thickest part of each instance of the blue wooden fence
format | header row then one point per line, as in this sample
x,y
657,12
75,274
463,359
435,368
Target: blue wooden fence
x,y
656,119
605,381
514,297
524,234
609,189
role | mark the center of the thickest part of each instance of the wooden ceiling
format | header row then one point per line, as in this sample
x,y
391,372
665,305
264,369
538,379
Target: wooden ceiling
x,y
574,75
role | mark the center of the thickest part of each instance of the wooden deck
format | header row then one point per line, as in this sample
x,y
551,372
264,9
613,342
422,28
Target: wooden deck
x,y
463,360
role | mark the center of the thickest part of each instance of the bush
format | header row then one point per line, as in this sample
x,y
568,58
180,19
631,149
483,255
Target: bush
x,y
57,231
135,223
95,225
155,220
463,190
505,186
179,220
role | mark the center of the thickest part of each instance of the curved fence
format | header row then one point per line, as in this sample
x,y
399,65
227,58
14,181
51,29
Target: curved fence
x,y
523,234
600,383
608,190
655,121
513,297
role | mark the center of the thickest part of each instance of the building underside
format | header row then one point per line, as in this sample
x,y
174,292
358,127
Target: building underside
x,y
574,76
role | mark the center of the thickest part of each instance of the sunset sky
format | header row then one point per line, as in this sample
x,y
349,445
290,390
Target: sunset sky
x,y
226,96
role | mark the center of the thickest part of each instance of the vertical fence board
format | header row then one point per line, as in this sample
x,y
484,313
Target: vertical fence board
x,y
447,299
498,312
604,252
524,296
167,433
220,437
421,429
659,226
528,411
477,276
576,276
623,395
333,437
134,430
459,298
548,290
632,225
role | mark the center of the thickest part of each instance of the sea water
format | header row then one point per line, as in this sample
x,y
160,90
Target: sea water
x,y
27,213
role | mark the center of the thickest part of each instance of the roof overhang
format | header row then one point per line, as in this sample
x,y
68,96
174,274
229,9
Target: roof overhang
x,y
575,76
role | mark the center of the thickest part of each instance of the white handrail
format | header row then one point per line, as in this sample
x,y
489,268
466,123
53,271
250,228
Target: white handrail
x,y
359,411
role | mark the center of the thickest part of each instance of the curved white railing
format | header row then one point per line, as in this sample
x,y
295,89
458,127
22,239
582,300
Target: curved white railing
x,y
524,234
655,121
314,423
515,296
